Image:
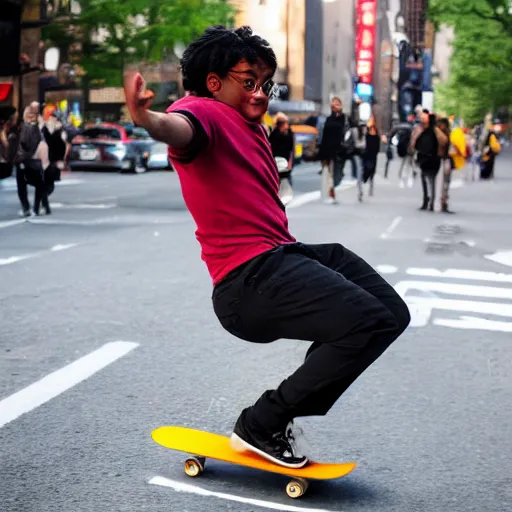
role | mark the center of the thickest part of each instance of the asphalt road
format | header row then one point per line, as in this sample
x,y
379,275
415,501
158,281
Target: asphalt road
x,y
107,332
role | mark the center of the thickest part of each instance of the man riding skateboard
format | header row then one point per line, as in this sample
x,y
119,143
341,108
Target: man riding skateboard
x,y
267,285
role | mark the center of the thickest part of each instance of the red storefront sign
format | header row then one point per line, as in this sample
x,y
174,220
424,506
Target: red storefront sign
x,y
5,90
366,12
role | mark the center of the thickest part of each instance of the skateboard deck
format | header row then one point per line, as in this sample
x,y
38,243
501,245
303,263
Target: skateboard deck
x,y
202,445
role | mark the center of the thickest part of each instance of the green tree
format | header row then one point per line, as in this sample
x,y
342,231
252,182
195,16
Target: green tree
x,y
453,11
110,35
481,64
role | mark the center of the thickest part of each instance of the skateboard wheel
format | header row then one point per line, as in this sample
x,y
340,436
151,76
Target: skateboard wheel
x,y
297,488
194,466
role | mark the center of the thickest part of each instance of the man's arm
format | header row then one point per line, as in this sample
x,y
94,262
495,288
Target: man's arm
x,y
172,129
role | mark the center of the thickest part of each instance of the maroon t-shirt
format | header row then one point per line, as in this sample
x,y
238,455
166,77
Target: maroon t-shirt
x,y
230,185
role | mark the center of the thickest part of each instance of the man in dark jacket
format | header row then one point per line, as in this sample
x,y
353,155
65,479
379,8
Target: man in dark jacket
x,y
331,152
29,169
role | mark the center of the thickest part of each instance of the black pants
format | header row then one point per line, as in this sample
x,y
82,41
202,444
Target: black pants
x,y
428,184
324,294
487,169
32,173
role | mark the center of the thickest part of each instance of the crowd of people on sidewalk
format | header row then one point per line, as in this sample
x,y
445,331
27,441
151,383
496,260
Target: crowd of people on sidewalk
x,y
32,149
426,144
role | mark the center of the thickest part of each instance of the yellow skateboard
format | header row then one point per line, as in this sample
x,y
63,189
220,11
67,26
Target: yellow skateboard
x,y
213,446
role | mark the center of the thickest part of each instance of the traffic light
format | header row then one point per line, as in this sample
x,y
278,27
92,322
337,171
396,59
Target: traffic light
x,y
10,30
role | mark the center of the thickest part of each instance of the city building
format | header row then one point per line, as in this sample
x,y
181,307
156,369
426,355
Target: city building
x,y
314,51
283,24
403,60
314,45
338,59
62,85
20,38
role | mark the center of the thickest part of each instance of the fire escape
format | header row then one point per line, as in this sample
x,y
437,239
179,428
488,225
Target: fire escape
x,y
412,61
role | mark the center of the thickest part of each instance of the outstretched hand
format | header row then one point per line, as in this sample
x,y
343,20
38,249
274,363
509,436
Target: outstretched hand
x,y
138,98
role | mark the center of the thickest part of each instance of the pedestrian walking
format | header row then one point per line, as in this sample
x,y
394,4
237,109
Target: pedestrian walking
x,y
282,142
56,138
453,157
367,144
407,169
332,152
267,285
489,147
429,143
447,166
371,153
31,160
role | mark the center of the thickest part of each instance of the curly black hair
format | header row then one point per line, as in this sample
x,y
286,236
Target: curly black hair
x,y
217,50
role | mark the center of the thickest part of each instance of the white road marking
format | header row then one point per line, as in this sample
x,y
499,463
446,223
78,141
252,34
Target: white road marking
x,y
94,222
61,380
391,228
14,259
467,290
423,299
115,221
55,248
386,269
9,223
68,181
484,308
62,247
192,489
473,322
503,257
457,183
315,195
84,206
453,273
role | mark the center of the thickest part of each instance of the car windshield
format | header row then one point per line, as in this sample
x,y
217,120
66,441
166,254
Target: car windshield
x,y
102,133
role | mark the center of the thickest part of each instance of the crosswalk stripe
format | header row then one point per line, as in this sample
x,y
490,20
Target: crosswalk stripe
x,y
61,380
453,273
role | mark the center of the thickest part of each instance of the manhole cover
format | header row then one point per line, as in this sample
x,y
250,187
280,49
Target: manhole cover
x,y
448,229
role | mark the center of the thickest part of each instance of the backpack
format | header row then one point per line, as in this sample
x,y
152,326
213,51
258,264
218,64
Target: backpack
x,y
403,143
427,147
348,143
493,144
427,144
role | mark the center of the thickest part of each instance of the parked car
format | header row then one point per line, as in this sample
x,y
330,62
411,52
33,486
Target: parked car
x,y
156,157
109,146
